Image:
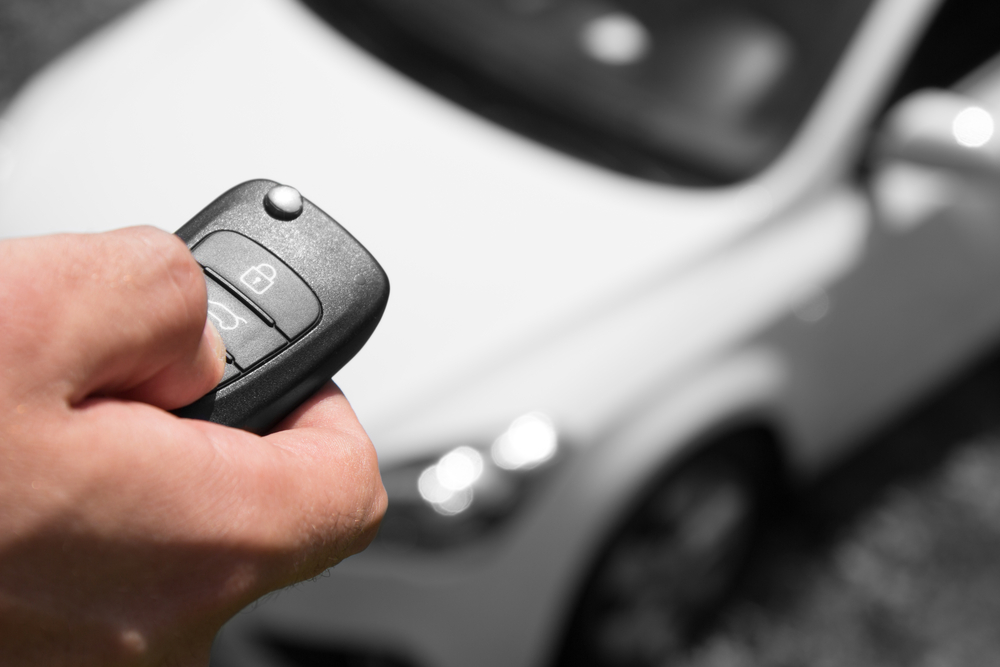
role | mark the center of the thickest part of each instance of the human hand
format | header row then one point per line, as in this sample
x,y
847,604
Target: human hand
x,y
128,536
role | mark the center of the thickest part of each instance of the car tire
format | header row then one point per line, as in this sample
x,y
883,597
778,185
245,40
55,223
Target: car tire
x,y
674,558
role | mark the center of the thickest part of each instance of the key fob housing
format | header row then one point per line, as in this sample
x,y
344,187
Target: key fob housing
x,y
294,299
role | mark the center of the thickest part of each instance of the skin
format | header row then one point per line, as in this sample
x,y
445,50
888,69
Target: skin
x,y
128,536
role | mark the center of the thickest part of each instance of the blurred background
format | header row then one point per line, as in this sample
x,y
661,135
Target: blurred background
x,y
891,557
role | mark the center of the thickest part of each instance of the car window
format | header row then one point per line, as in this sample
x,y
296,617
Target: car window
x,y
962,36
688,90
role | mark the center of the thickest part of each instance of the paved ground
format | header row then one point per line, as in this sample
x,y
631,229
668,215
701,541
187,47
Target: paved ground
x,y
893,559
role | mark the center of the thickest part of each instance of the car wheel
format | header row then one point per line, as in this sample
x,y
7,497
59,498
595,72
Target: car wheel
x,y
674,559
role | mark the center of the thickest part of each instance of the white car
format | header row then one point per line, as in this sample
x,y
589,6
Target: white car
x,y
649,263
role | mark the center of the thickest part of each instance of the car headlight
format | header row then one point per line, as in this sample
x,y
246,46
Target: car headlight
x,y
468,490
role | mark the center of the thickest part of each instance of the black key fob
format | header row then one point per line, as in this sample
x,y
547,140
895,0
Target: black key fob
x,y
292,293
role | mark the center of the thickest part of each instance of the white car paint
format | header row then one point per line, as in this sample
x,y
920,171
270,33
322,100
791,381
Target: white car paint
x,y
213,93
637,315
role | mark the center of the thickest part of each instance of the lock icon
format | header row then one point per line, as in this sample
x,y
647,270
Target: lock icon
x,y
259,278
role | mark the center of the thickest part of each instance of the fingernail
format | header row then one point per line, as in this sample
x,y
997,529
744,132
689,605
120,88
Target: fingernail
x,y
218,347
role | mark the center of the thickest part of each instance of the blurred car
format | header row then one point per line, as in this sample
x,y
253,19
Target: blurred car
x,y
650,263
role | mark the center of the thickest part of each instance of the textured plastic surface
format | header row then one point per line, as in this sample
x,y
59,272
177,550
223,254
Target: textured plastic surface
x,y
351,286
261,277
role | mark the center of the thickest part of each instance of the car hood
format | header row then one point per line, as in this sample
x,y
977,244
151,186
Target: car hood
x,y
496,248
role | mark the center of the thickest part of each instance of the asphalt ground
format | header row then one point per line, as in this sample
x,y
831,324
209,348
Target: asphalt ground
x,y
891,559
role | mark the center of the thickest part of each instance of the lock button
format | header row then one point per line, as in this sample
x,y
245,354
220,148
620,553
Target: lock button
x,y
259,278
262,278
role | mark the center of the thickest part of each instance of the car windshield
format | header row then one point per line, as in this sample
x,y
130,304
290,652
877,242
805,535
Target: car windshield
x,y
695,90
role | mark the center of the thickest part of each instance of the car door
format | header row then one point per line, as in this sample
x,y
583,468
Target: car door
x,y
923,299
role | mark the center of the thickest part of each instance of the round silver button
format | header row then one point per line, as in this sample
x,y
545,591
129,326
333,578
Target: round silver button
x,y
283,202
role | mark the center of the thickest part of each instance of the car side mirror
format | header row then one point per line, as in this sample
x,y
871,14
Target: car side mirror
x,y
940,128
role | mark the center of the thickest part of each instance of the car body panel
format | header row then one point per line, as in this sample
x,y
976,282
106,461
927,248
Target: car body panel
x,y
478,199
447,607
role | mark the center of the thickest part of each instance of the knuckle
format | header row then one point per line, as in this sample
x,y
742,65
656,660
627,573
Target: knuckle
x,y
344,506
372,500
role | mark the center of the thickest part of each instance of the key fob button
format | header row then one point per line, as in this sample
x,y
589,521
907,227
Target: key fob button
x,y
268,320
283,202
263,278
246,336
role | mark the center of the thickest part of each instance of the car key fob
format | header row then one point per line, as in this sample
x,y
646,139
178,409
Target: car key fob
x,y
293,295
